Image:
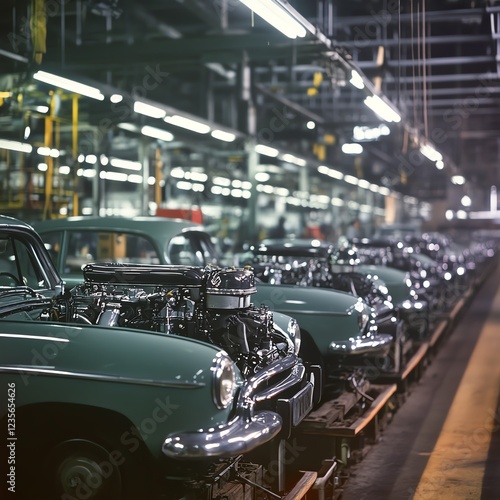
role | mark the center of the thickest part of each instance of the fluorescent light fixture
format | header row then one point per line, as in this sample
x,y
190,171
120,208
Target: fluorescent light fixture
x,y
466,201
42,109
134,178
116,98
71,85
449,214
429,152
350,179
157,133
91,159
364,133
89,172
45,151
188,124
459,180
384,191
364,184
293,159
382,109
27,132
311,125
374,188
184,185
277,17
356,80
221,181
151,180
223,136
177,172
22,147
262,176
149,110
493,199
331,172
461,214
352,148
104,160
43,167
64,170
128,126
440,164
196,176
127,164
266,150
113,176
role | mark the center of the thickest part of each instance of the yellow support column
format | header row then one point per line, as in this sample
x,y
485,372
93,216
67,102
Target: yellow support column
x,y
158,176
74,131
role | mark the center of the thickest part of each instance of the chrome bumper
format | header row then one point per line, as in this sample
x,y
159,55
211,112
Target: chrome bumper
x,y
234,438
378,344
249,429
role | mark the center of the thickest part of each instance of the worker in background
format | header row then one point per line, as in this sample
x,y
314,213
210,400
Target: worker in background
x,y
279,231
353,230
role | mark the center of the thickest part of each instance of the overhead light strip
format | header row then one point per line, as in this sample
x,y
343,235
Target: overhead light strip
x,y
382,109
277,17
67,84
22,147
187,123
157,133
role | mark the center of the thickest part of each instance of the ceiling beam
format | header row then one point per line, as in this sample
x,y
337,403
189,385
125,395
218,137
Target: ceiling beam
x,y
393,17
290,104
434,61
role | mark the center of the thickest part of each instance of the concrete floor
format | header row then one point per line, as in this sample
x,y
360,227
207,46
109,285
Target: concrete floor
x,y
400,466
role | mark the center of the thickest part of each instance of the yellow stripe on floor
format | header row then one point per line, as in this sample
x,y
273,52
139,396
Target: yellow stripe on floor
x,y
457,464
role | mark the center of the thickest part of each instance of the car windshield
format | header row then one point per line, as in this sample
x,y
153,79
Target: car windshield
x,y
106,246
17,267
193,248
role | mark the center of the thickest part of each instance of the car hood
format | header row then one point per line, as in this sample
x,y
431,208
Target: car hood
x,y
327,315
394,279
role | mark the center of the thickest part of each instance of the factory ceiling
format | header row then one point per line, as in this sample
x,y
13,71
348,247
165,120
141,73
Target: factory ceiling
x,y
437,63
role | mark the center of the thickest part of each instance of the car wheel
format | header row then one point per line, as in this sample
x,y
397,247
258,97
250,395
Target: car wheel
x,y
79,468
71,458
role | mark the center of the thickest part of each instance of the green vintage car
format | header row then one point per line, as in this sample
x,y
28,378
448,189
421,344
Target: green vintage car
x,y
74,242
144,379
339,329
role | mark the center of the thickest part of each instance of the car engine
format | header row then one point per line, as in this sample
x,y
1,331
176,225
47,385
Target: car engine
x,y
209,304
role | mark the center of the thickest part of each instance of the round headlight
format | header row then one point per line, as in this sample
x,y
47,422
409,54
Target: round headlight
x,y
223,381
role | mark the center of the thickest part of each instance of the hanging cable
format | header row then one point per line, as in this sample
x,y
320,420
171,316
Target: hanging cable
x,y
399,53
413,66
424,71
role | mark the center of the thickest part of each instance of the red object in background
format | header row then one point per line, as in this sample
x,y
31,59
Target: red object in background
x,y
192,214
314,232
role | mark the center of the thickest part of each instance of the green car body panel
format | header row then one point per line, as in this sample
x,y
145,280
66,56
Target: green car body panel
x,y
148,378
394,279
327,315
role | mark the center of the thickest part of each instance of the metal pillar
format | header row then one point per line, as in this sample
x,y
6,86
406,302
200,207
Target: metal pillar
x,y
252,162
144,160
